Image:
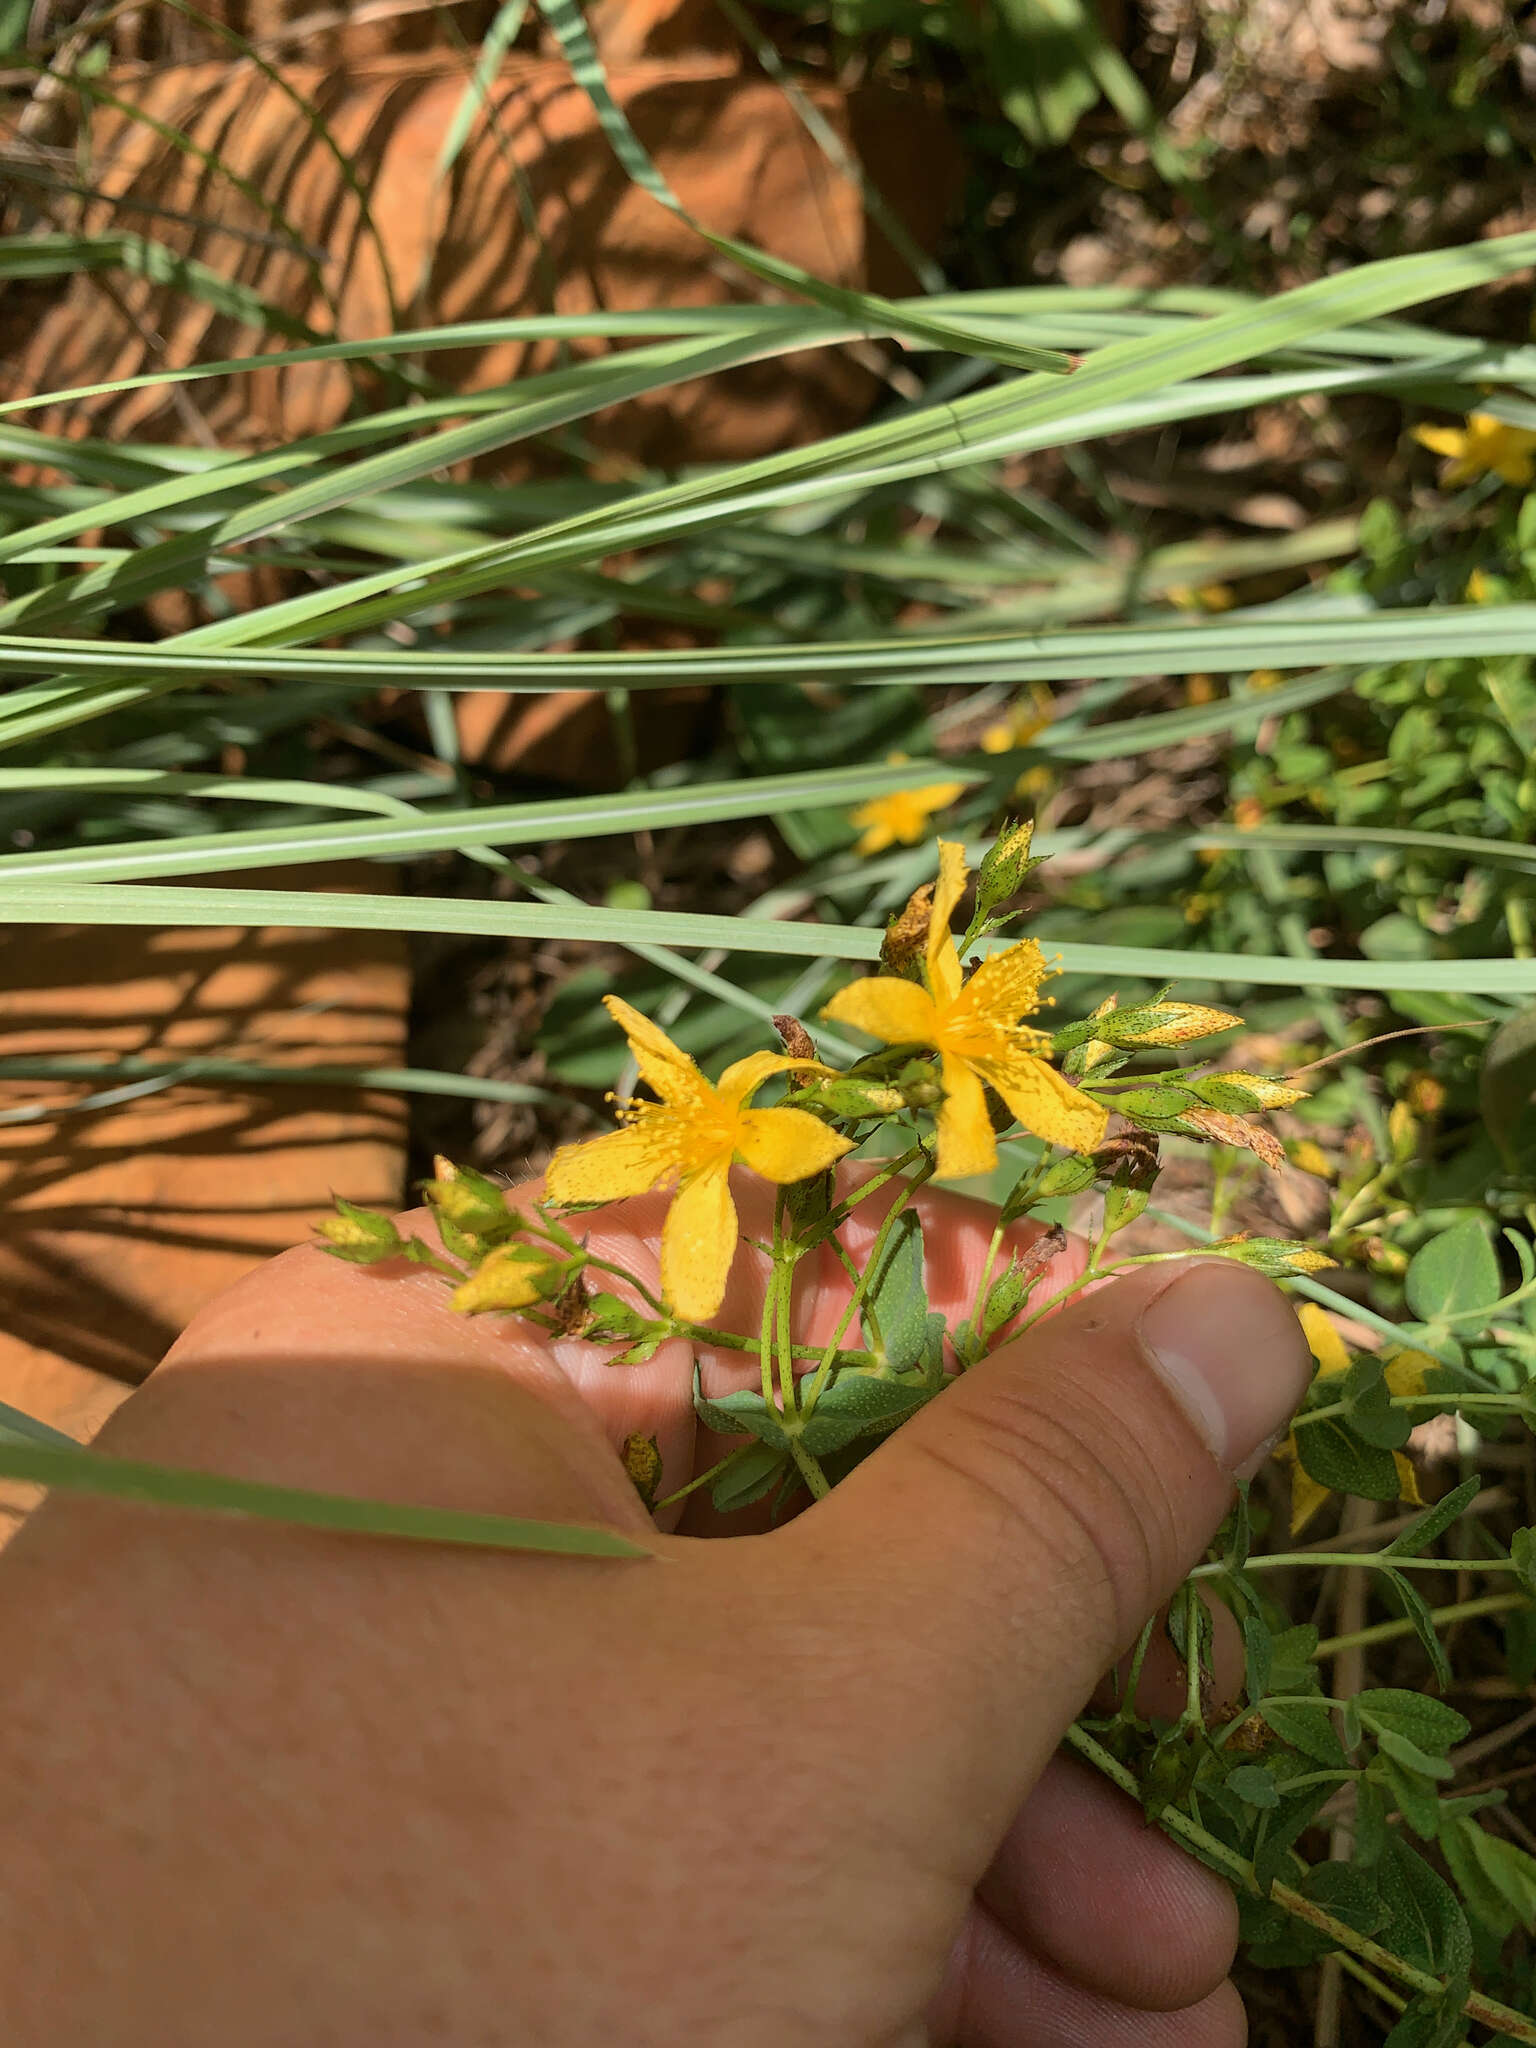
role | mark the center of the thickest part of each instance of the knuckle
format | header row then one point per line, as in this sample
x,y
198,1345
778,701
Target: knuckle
x,y
1061,1479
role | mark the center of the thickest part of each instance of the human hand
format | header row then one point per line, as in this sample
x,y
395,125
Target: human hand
x,y
269,1786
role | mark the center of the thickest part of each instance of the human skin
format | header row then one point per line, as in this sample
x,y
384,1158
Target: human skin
x,y
799,1786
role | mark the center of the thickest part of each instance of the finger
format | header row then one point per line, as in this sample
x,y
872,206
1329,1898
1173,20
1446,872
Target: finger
x,y
999,1995
1103,1899
1060,1492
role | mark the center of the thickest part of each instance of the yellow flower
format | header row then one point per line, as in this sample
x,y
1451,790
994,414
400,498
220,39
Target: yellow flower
x,y
902,817
1199,689
1404,1373
974,1027
1485,446
690,1137
1025,720
1265,679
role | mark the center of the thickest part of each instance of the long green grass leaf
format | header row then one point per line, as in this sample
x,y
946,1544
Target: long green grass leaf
x,y
166,1486
129,903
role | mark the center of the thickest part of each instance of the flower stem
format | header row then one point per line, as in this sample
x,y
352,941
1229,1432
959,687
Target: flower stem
x,y
1486,2011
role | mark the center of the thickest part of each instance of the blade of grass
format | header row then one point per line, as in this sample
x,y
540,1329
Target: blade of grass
x,y
154,905
75,1470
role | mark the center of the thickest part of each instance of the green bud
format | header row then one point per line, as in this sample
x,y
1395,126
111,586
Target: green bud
x,y
609,1317
363,1237
1157,1108
1155,1023
851,1095
1281,1258
469,1202
1122,1205
1069,1176
1002,872
1242,1092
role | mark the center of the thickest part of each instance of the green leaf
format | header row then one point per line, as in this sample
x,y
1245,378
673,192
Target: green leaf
x,y
1430,1723
1506,1088
1409,1755
744,1413
1417,1537
1484,1900
1414,1795
898,1295
1292,1652
1425,1923
1368,1406
1307,1728
1294,1815
1510,1869
1418,1612
1522,1552
1455,1274
753,1472
858,1404
1432,2020
1258,1658
1253,1785
1348,1893
1335,1457
80,1471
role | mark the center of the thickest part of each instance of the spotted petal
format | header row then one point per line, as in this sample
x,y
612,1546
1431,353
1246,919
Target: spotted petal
x,y
966,1141
895,1011
786,1145
698,1243
1046,1103
663,1065
627,1162
943,955
743,1077
1007,986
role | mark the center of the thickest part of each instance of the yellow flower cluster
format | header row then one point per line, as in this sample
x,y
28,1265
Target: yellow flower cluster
x,y
1485,446
689,1136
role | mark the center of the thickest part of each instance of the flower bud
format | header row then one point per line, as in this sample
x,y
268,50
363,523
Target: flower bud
x,y
1158,1108
1281,1258
1239,1092
1154,1023
514,1276
363,1237
1002,872
469,1202
1307,1156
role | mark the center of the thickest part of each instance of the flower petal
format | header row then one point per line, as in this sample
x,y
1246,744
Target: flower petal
x,y
1407,1481
663,1065
895,1011
623,1163
1307,1494
1046,1103
698,1242
786,1145
1005,987
943,956
1325,1343
743,1076
967,1143
1442,440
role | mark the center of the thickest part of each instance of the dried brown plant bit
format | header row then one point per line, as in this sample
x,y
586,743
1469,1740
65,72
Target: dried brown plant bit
x,y
642,1461
1130,1158
906,936
1222,1128
797,1043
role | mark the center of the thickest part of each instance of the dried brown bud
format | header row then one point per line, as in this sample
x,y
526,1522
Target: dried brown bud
x,y
1222,1128
907,935
798,1044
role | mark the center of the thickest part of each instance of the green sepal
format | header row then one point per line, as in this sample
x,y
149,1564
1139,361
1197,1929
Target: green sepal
x,y
754,1471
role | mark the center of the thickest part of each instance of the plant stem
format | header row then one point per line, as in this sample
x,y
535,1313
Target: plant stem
x,y
1486,2011
1388,1631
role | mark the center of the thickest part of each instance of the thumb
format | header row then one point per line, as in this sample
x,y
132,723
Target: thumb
x,y
989,1564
